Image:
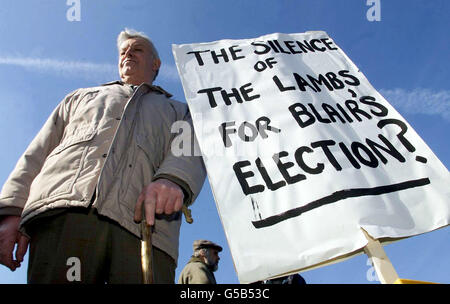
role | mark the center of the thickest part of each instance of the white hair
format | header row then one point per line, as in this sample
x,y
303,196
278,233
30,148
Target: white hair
x,y
130,33
200,252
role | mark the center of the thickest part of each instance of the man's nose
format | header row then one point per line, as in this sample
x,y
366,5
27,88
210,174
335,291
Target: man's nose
x,y
128,53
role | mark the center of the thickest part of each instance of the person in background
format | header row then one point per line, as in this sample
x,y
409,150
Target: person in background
x,y
202,265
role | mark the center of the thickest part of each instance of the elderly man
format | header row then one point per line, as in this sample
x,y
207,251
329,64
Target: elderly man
x,y
77,193
202,265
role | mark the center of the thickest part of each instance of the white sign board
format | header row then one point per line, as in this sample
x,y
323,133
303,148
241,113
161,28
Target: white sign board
x,y
302,152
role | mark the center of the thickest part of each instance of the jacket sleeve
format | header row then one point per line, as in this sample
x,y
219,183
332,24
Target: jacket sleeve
x,y
15,191
185,168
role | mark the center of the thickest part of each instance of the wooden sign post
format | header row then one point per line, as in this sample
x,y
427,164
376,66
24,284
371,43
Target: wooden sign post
x,y
383,266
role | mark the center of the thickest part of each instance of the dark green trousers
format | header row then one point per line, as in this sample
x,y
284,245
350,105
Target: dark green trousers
x,y
78,245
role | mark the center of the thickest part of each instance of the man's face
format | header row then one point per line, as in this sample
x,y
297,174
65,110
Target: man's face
x,y
136,62
212,259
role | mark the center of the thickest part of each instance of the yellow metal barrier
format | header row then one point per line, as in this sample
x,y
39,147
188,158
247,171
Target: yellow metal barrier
x,y
406,281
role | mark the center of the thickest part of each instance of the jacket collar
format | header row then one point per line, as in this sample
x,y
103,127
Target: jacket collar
x,y
196,260
150,86
200,260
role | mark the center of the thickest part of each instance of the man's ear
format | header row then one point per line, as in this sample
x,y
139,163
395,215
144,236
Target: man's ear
x,y
156,64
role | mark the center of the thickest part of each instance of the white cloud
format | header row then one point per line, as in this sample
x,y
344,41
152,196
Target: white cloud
x,y
87,70
420,101
61,67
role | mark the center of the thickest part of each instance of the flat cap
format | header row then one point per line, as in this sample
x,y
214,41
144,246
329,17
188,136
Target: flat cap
x,y
199,244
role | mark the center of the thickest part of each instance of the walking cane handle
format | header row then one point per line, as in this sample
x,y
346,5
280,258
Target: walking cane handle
x,y
187,214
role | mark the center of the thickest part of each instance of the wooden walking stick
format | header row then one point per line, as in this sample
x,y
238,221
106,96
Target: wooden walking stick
x,y
146,245
146,252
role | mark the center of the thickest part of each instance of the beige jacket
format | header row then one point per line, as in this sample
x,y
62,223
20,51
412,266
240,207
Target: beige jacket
x,y
112,140
196,272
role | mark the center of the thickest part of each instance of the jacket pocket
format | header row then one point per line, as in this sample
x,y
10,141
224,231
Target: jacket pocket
x,y
138,174
82,134
62,167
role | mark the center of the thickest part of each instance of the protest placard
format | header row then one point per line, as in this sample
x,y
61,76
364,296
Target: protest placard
x,y
302,153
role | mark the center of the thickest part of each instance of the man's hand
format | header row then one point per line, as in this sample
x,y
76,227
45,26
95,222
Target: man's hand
x,y
9,237
160,196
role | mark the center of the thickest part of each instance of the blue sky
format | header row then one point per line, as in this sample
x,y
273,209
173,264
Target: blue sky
x,y
405,56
